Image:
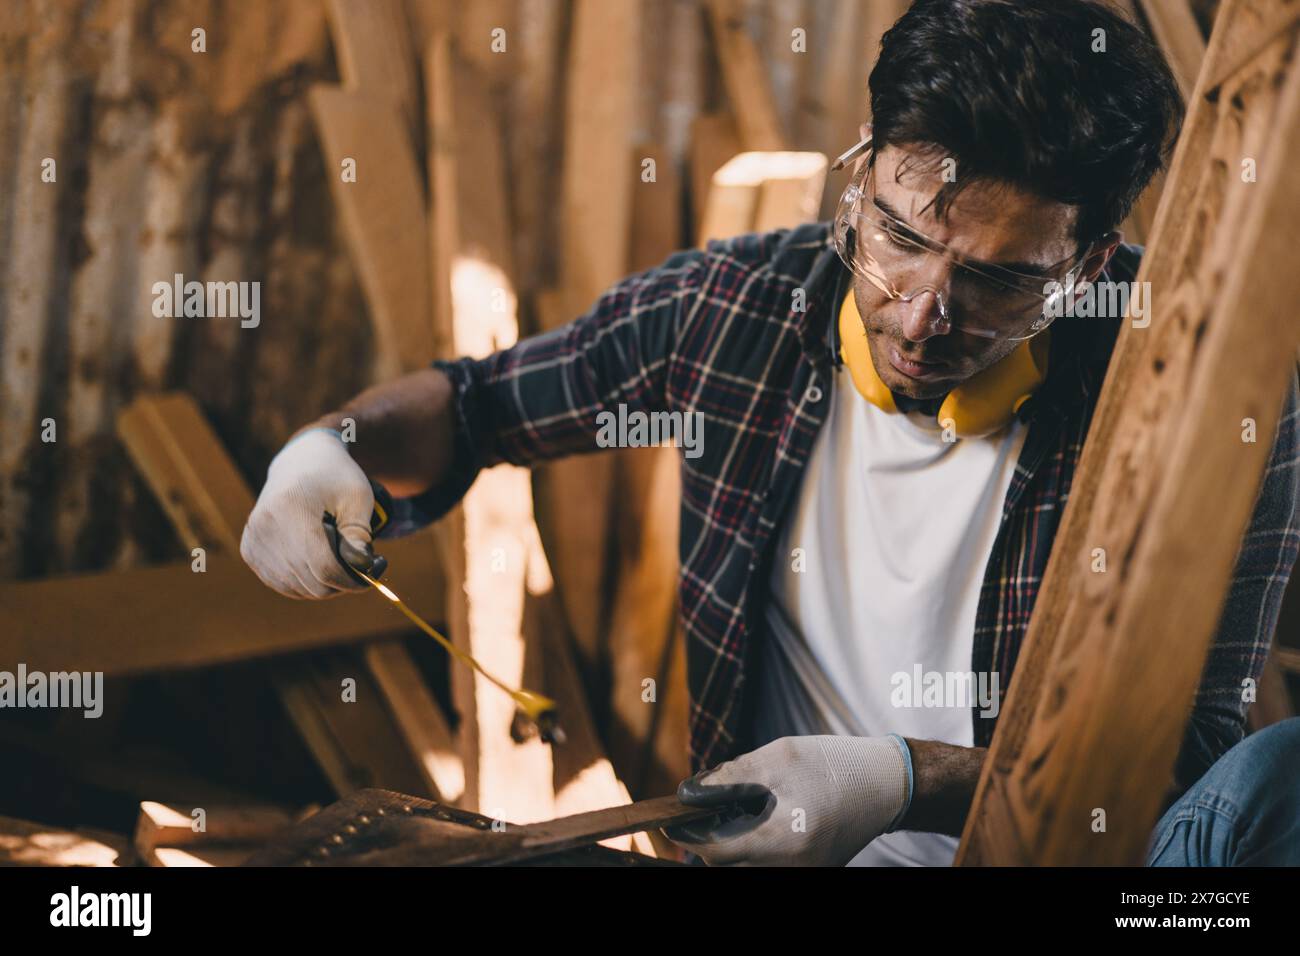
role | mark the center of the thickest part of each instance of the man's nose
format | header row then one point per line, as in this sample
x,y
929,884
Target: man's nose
x,y
925,316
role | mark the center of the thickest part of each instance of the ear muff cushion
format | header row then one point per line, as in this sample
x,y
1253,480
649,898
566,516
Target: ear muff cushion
x,y
979,406
857,356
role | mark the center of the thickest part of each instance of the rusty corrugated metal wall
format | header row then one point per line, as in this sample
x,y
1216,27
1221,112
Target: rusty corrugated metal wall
x,y
166,161
206,164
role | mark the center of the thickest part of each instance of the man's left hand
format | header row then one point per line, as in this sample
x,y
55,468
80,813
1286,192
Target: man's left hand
x,y
820,800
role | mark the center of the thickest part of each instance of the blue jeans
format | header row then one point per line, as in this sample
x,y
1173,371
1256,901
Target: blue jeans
x,y
1244,811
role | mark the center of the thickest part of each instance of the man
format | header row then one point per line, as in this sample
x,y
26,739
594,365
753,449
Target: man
x,y
891,424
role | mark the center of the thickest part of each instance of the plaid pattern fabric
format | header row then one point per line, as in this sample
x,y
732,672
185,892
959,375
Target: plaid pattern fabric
x,y
743,335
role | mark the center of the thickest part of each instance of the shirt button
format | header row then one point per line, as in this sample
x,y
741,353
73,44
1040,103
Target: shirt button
x,y
814,394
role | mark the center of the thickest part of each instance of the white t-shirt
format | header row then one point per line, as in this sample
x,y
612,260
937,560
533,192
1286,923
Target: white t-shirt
x,y
895,527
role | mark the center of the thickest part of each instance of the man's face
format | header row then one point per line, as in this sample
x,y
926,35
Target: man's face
x,y
914,353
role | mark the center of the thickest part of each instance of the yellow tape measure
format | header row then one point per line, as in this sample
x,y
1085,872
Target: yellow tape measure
x,y
538,709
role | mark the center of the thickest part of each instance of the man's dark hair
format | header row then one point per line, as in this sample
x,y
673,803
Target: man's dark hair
x,y
1014,92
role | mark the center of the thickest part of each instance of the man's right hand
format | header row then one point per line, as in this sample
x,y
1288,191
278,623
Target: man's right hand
x,y
284,541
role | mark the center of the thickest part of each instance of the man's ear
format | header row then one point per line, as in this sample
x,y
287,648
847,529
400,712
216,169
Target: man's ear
x,y
1099,254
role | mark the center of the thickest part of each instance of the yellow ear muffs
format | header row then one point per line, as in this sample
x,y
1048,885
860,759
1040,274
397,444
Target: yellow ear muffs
x,y
979,406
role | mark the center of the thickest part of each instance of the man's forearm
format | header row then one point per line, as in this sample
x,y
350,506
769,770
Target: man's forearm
x,y
402,431
944,778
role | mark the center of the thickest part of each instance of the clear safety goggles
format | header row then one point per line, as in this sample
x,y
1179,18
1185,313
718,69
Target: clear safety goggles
x,y
973,297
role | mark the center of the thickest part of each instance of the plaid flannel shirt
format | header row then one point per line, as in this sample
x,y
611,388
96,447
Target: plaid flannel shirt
x,y
743,334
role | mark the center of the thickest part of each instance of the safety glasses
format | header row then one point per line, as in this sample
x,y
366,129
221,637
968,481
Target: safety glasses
x,y
973,297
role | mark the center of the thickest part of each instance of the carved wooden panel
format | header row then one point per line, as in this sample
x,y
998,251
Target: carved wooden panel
x,y
1104,684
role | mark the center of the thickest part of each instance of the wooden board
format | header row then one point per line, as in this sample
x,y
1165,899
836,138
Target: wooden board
x,y
1175,29
745,78
655,228
715,140
756,192
375,54
1106,678
596,198
1176,32
582,776
403,688
167,617
383,219
174,825
24,843
372,820
170,856
599,173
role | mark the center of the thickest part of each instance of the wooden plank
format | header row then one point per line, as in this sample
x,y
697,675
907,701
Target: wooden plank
x,y
762,191
656,226
538,49
170,618
1176,31
24,843
368,747
715,141
383,219
189,472
378,60
583,777
348,832
173,825
1268,21
410,701
372,43
597,182
200,856
598,178
1166,481
748,89
197,485
834,77
452,844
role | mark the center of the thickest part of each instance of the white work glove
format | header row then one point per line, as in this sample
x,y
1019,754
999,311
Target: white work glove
x,y
820,800
284,541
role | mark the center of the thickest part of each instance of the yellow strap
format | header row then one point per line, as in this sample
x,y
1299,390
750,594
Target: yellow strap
x,y
979,406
